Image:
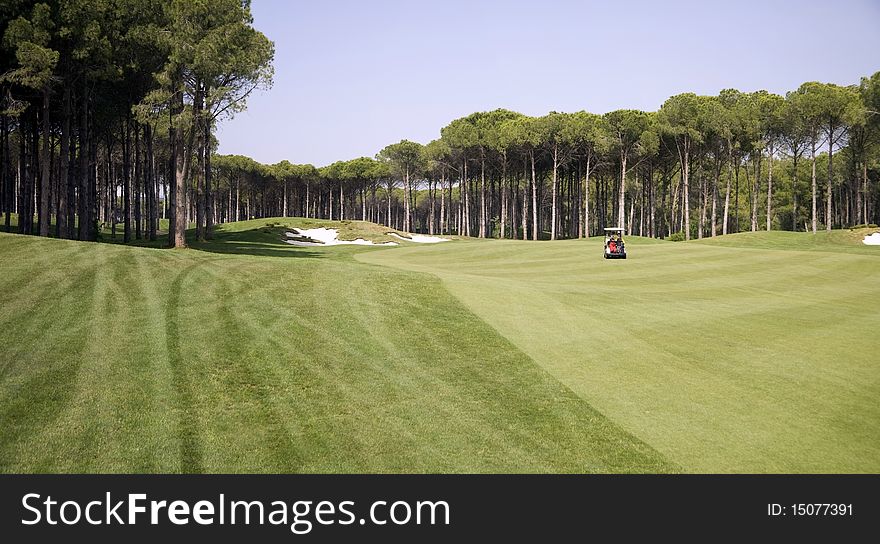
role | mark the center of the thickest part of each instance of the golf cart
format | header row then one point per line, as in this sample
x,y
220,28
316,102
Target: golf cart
x,y
614,248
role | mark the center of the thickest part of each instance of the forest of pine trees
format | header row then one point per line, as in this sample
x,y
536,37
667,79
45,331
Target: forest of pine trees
x,y
700,166
109,111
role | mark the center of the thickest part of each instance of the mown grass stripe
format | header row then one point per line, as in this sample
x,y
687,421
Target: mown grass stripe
x,y
208,360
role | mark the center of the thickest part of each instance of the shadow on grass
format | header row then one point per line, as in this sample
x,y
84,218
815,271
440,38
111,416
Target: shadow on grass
x,y
260,241
236,247
263,241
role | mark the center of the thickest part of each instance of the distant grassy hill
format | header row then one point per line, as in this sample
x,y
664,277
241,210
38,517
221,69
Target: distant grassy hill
x,y
842,241
269,230
273,229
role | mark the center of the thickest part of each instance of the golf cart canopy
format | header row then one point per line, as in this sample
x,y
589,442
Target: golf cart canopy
x,y
615,229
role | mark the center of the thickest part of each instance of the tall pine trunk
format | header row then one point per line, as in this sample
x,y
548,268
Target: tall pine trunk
x,y
482,196
85,231
126,179
755,188
209,177
504,197
684,150
443,222
63,202
199,150
6,175
407,227
45,167
621,195
813,181
553,218
770,188
181,165
525,206
151,180
632,208
464,214
794,196
467,201
534,198
388,213
650,202
703,202
364,202
828,218
23,178
865,191
431,188
587,199
726,223
138,175
717,176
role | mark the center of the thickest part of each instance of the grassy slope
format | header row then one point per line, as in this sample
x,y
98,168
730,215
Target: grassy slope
x,y
232,232
239,234
723,358
249,355
837,241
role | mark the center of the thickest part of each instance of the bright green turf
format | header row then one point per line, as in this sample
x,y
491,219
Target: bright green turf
x,y
725,359
724,355
836,241
250,355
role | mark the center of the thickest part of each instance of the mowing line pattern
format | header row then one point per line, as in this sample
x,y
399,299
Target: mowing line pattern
x,y
725,359
248,355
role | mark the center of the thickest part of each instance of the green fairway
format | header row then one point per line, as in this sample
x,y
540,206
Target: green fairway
x,y
723,355
748,353
249,355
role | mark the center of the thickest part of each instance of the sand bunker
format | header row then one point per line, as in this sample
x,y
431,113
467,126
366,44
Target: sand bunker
x,y
872,240
419,238
326,237
330,237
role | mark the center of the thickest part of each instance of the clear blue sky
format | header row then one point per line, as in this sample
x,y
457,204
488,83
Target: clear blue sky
x,y
354,76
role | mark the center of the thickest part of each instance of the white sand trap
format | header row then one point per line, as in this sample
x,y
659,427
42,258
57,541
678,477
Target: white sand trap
x,y
419,238
872,240
327,237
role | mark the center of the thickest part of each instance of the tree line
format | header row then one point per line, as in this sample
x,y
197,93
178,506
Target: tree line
x,y
108,110
699,166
